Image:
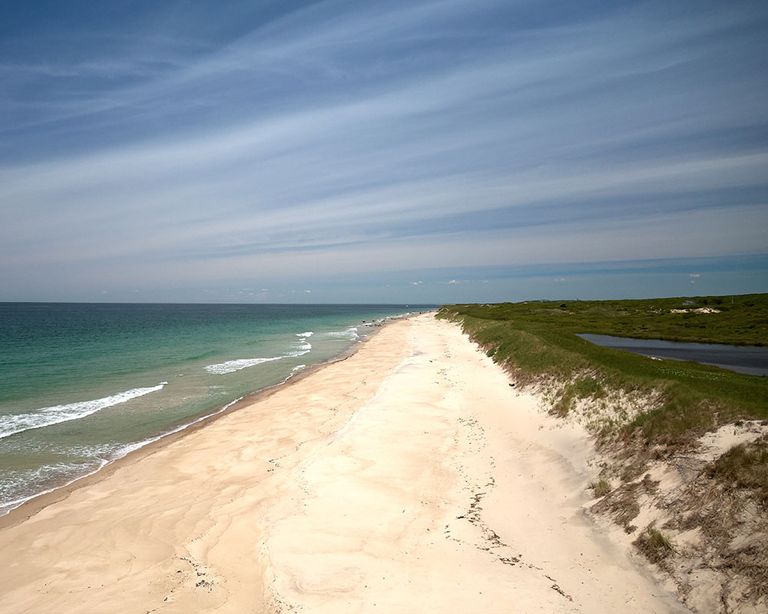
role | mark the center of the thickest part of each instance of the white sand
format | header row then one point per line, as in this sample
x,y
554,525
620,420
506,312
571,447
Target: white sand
x,y
407,478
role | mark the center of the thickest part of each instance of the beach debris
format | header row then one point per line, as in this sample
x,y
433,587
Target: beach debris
x,y
556,587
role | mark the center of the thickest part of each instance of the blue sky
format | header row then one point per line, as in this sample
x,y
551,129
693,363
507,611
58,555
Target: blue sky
x,y
438,151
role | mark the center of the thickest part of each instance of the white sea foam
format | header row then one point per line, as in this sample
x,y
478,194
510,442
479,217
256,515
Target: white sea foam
x,y
302,345
51,471
47,416
7,506
351,333
301,349
236,365
294,371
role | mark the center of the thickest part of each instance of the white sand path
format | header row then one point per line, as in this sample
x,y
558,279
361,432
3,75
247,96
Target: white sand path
x,y
450,492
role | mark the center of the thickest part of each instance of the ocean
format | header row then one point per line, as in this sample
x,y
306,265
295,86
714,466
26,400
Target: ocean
x,y
82,385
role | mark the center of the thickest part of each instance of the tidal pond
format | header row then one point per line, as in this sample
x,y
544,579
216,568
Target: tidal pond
x,y
748,359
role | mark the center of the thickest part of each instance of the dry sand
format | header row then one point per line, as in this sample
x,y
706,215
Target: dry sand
x,y
409,477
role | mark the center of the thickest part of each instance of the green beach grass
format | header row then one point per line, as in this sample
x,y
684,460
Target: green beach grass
x,y
538,339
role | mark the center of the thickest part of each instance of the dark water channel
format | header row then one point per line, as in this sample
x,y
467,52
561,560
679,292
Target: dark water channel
x,y
749,359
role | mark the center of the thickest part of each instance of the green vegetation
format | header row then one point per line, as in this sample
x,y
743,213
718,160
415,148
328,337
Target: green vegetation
x,y
644,411
744,466
538,339
581,388
654,545
739,320
600,488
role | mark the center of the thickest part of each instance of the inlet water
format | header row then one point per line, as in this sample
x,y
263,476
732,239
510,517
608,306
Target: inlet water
x,y
750,360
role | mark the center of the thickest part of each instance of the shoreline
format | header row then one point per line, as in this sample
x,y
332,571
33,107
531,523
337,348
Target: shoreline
x,y
406,476
34,504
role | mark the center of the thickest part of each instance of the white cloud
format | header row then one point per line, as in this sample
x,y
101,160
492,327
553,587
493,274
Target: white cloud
x,y
340,173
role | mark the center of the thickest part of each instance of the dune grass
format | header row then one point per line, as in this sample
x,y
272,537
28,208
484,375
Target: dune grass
x,y
744,466
539,338
600,488
654,545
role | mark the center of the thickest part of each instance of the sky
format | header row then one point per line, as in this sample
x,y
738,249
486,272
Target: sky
x,y
399,152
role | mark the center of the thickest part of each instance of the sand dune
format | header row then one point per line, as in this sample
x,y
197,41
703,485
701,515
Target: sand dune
x,y
409,477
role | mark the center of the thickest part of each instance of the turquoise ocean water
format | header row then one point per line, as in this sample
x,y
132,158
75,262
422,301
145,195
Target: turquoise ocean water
x,y
84,384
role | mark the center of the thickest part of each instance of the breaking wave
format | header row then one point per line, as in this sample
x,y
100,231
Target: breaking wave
x,y
56,414
236,365
302,346
351,333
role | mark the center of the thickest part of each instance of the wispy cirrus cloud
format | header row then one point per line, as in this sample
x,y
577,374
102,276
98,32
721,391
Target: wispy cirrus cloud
x,y
347,138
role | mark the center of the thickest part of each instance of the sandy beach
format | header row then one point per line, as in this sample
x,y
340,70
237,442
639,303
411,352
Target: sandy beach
x,y
409,477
